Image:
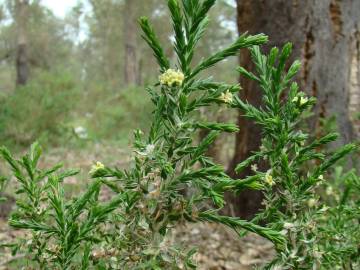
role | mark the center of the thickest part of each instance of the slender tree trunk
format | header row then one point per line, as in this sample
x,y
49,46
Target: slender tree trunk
x,y
131,76
325,35
22,65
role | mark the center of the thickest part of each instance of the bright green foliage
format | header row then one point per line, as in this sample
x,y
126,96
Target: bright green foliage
x,y
169,163
58,226
337,227
291,203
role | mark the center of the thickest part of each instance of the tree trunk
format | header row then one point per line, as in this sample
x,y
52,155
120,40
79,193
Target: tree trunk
x,y
325,35
130,29
22,65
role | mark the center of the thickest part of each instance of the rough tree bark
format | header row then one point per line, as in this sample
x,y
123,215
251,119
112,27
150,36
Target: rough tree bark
x,y
325,35
22,62
131,76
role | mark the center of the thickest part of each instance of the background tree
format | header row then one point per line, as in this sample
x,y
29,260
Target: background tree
x,y
32,39
326,39
131,68
21,19
104,42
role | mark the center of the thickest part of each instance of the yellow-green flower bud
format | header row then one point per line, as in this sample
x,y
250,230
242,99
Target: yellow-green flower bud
x,y
226,97
98,166
172,78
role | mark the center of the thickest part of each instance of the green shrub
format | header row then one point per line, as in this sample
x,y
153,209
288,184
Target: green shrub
x,y
338,222
291,201
38,110
58,225
149,199
113,114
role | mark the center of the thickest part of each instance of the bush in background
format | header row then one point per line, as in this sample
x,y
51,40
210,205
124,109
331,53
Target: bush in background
x,y
56,109
38,110
110,114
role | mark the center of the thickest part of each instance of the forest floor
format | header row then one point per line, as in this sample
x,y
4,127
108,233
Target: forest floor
x,y
218,247
221,249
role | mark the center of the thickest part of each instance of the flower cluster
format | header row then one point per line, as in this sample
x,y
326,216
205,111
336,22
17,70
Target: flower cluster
x,y
226,97
98,166
269,178
172,78
302,100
